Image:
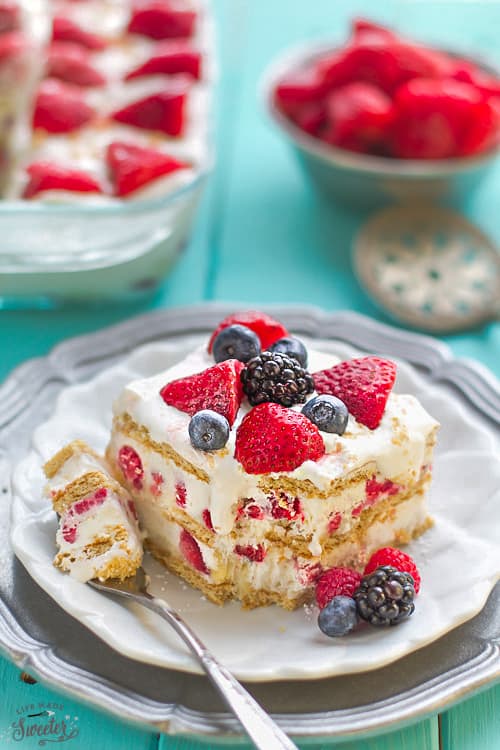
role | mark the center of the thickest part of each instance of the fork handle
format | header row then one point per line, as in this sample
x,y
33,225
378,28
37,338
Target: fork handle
x,y
262,730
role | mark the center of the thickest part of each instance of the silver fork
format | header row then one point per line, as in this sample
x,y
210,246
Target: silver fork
x,y
262,730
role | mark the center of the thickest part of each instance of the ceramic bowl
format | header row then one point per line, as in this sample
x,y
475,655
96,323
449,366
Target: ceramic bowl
x,y
365,181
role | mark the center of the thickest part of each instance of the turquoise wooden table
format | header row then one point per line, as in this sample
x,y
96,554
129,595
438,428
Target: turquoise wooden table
x,y
263,236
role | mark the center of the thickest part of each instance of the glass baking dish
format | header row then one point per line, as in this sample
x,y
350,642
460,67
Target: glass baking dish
x,y
79,252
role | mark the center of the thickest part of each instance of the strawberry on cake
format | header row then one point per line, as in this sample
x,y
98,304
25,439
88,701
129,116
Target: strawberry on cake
x,y
98,534
257,464
121,110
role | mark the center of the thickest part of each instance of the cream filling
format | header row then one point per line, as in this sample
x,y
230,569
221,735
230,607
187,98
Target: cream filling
x,y
98,523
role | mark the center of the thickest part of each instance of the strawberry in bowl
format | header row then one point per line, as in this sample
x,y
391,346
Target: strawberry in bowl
x,y
384,118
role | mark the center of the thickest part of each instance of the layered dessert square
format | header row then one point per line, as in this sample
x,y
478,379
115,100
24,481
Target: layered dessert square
x,y
98,534
255,465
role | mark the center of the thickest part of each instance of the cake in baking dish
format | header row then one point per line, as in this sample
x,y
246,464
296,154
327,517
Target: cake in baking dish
x,y
255,464
98,534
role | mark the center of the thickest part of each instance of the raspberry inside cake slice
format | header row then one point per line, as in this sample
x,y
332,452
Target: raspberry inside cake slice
x,y
260,518
98,534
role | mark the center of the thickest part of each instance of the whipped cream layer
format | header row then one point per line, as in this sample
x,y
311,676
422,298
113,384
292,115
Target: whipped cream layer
x,y
394,457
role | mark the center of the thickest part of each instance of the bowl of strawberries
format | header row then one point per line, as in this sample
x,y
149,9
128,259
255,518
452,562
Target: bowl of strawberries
x,y
383,119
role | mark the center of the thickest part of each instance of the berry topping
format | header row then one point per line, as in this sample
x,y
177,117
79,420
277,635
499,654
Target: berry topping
x,y
208,431
191,551
169,58
10,16
267,329
328,413
276,377
207,519
161,19
60,107
163,111
255,553
274,438
218,388
130,463
70,62
363,385
236,342
47,176
338,617
65,30
292,347
385,596
131,167
180,494
398,559
336,582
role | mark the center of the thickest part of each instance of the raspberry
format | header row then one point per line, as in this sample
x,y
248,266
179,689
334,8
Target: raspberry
x,y
375,489
191,551
286,508
397,559
334,522
254,553
157,483
84,505
336,582
130,463
180,494
132,509
218,388
274,438
363,385
267,329
207,519
69,533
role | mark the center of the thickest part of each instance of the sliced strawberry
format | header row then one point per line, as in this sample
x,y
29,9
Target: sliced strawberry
x,y
363,30
45,175
267,329
272,438
12,44
310,117
299,87
70,62
359,112
161,19
163,111
131,167
218,388
191,551
169,58
363,385
483,132
433,118
10,16
60,107
66,30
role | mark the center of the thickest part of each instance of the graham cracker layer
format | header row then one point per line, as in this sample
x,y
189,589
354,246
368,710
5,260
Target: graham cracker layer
x,y
75,448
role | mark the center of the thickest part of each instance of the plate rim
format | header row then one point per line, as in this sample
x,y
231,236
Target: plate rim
x,y
69,363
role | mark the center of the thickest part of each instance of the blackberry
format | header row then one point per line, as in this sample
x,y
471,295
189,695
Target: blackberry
x,y
276,377
385,597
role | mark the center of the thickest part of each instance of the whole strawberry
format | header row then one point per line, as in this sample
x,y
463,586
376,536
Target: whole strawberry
x,y
363,385
272,438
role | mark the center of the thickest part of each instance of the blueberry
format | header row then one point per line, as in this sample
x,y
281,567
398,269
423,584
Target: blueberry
x,y
328,413
292,347
236,342
339,616
208,431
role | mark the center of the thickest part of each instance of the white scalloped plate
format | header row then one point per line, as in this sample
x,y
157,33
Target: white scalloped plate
x,y
459,558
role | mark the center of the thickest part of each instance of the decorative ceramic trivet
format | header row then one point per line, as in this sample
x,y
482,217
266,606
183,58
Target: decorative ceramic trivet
x,y
429,267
